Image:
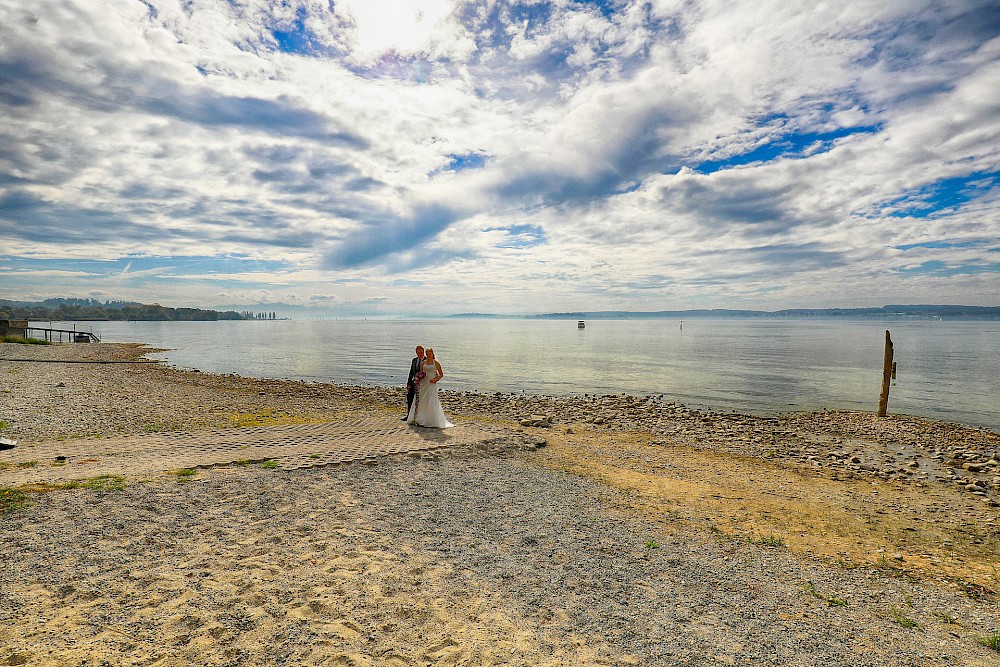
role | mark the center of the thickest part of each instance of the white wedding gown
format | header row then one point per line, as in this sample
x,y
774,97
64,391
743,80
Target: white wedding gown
x,y
426,409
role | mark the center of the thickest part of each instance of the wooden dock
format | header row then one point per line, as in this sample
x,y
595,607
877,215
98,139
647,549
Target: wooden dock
x,y
54,335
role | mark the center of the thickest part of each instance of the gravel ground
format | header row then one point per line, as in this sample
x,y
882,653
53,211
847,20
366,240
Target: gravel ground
x,y
467,560
478,561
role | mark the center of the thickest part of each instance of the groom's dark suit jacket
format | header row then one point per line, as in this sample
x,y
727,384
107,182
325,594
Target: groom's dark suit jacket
x,y
411,388
414,367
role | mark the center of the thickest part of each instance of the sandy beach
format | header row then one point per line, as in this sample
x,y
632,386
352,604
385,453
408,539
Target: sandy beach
x,y
605,530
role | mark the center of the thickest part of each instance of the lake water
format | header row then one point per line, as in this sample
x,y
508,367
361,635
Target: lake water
x,y
946,369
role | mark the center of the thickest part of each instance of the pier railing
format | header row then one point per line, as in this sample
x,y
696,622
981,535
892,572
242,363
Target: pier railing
x,y
54,335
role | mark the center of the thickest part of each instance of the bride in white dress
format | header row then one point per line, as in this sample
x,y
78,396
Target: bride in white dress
x,y
426,409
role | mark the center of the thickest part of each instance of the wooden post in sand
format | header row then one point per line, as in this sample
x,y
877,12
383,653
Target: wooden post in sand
x,y
883,401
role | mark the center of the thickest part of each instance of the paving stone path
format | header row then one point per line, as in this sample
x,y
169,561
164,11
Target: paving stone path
x,y
290,447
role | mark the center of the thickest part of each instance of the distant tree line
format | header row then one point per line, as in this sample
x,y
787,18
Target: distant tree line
x,y
247,315
68,310
892,312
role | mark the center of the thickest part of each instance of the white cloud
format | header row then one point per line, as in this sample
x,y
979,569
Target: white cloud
x,y
333,141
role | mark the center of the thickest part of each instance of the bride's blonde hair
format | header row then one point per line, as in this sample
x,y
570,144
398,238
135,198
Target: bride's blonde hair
x,y
430,351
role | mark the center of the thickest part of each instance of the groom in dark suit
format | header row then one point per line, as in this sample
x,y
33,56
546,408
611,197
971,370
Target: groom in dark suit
x,y
411,386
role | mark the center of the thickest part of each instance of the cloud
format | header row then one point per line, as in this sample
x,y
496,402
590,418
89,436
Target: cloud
x,y
692,150
281,116
29,71
52,221
402,238
731,198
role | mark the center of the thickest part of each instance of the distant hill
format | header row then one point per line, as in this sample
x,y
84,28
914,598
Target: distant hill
x,y
885,312
73,309
69,310
84,303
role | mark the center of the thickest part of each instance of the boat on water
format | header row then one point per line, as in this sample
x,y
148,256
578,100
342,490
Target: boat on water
x,y
581,325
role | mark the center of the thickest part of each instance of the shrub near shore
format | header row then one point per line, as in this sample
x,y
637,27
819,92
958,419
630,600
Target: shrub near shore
x,y
23,341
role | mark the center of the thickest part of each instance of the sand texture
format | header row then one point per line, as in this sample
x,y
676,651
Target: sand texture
x,y
150,516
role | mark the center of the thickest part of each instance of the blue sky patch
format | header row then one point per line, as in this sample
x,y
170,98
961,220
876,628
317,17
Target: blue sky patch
x,y
536,15
467,161
942,244
793,144
520,236
296,39
944,270
946,194
606,7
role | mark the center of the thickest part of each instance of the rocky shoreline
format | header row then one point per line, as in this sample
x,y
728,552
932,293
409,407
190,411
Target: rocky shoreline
x,y
891,448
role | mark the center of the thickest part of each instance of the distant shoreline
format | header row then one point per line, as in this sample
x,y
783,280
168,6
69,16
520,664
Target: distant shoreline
x,y
81,310
920,312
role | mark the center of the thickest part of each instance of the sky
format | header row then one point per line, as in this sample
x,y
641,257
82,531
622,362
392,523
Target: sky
x,y
428,157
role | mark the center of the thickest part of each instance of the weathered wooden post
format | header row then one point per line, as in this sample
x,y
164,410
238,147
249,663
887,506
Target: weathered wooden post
x,y
888,371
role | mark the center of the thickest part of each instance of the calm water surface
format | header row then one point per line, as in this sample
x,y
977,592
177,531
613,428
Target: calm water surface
x,y
948,370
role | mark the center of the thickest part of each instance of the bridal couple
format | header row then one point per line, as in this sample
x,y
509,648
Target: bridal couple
x,y
422,402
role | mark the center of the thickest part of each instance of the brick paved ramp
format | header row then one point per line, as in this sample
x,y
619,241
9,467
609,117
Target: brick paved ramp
x,y
291,447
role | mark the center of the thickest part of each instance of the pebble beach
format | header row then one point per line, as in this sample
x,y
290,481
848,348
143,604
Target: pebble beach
x,y
637,532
